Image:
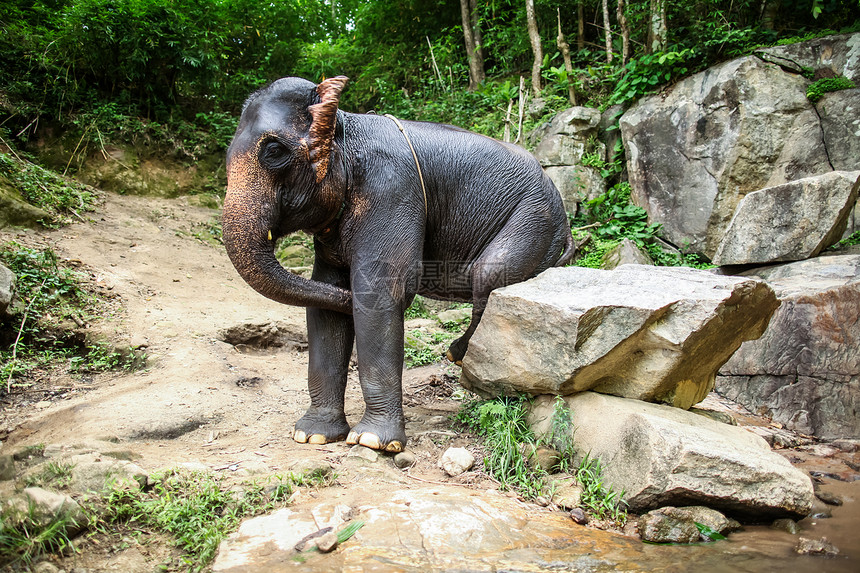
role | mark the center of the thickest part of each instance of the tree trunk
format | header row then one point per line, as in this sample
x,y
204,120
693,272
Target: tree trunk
x,y
580,25
473,51
769,11
568,65
657,28
476,31
534,38
607,31
625,33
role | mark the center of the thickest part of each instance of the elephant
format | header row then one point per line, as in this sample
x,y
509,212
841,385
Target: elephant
x,y
395,209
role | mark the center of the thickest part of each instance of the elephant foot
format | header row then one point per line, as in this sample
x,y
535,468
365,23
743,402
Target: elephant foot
x,y
457,351
384,439
321,426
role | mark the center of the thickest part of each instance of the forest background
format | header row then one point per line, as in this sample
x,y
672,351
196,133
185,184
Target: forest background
x,y
176,72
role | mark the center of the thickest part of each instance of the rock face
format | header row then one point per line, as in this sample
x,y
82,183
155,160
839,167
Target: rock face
x,y
7,291
805,370
695,151
625,253
563,144
665,456
789,222
651,333
840,122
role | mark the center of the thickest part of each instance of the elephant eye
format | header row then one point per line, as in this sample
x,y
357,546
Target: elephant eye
x,y
275,154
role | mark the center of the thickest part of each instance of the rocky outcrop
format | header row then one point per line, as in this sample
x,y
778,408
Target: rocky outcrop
x,y
789,222
661,456
14,211
7,292
563,144
840,124
805,369
694,151
651,333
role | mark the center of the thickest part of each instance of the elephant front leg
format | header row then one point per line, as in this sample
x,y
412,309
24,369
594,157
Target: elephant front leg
x,y
378,317
330,339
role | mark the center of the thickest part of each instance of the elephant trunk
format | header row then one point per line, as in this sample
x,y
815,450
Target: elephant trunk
x,y
246,225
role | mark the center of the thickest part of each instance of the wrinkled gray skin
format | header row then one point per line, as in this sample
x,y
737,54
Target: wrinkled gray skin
x,y
298,163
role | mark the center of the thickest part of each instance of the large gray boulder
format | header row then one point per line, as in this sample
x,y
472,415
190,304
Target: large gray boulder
x,y
789,222
661,456
652,333
696,150
562,145
805,370
840,123
838,54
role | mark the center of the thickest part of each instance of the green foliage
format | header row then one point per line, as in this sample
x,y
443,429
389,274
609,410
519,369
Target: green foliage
x,y
52,294
709,533
648,72
58,196
600,499
54,474
421,348
501,422
26,534
853,239
198,510
817,89
417,309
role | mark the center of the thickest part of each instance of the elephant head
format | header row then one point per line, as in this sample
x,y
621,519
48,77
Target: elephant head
x,y
284,175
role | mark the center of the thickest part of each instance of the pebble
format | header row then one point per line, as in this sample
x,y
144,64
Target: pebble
x,y
364,453
829,498
578,516
821,546
456,461
405,459
328,542
787,525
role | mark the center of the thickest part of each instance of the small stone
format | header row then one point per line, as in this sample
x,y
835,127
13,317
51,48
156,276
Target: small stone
x,y
787,525
821,546
363,453
405,460
829,498
310,466
7,468
579,516
328,542
846,445
45,567
544,458
51,506
566,492
455,461
666,525
541,501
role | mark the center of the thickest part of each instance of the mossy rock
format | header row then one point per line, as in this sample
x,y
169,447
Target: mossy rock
x,y
15,211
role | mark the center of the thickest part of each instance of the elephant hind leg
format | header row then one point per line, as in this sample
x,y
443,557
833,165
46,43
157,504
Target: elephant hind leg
x,y
524,247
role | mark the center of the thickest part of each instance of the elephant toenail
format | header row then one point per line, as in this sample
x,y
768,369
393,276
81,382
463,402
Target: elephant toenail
x,y
300,437
369,440
352,438
317,439
394,447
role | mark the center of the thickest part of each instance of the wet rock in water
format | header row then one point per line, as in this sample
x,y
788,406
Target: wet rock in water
x,y
667,456
829,498
787,525
579,516
359,452
679,524
811,214
663,526
657,334
806,546
405,459
803,372
456,461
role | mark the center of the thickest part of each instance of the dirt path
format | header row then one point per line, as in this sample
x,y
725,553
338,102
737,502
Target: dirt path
x,y
200,399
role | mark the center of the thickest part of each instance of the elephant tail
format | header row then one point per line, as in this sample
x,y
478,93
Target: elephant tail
x,y
569,251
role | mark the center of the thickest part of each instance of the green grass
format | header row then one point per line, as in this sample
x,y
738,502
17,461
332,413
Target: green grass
x,y
26,534
501,423
421,348
198,510
55,474
817,89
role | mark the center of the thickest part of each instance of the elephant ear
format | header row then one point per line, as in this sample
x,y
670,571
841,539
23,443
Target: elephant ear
x,y
324,118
